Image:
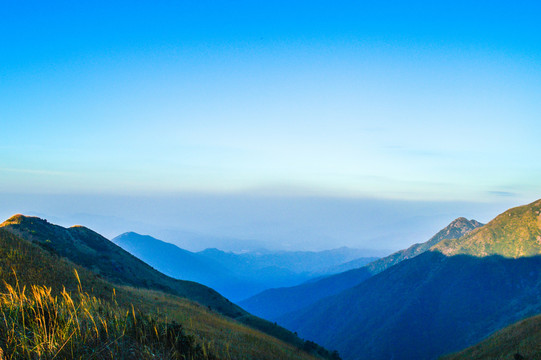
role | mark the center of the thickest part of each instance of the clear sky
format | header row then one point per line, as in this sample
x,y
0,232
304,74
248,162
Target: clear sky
x,y
401,100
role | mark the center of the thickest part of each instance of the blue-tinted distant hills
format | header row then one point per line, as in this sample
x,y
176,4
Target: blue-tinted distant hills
x,y
271,304
237,276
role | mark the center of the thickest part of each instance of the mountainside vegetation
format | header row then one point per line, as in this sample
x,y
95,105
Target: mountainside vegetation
x,y
39,324
436,302
54,307
456,229
92,251
515,233
275,303
519,341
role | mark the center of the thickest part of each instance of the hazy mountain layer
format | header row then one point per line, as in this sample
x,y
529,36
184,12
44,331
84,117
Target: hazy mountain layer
x,y
236,276
274,303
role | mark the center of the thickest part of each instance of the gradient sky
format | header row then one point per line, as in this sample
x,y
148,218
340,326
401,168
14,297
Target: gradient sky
x,y
400,100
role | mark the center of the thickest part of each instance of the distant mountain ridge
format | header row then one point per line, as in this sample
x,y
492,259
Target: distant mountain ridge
x,y
237,276
174,261
439,301
274,303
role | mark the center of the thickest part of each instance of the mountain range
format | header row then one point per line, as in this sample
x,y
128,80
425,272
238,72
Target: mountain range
x,y
274,303
447,298
238,276
472,291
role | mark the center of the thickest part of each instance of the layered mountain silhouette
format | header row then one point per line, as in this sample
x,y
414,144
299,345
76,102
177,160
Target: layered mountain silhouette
x,y
236,276
459,289
35,252
440,301
274,303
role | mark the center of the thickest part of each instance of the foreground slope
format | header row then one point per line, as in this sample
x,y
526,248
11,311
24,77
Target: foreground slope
x,y
92,251
519,341
274,303
433,303
207,333
114,265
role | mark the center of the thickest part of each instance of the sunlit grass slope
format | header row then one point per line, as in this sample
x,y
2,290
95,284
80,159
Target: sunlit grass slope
x,y
98,320
514,233
519,341
92,251
39,325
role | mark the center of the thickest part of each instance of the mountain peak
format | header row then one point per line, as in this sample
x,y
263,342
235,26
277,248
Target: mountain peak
x,y
18,219
462,221
514,233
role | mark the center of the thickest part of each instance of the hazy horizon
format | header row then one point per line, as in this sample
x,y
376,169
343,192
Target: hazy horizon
x,y
281,124
249,222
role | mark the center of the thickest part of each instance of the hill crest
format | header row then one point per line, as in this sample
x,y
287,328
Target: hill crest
x,y
513,234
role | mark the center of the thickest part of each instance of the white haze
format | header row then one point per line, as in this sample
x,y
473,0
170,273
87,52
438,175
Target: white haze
x,y
244,222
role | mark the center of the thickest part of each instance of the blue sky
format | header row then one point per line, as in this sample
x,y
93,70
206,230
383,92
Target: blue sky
x,y
400,100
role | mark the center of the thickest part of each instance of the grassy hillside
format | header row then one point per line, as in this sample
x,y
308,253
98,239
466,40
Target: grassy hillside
x,y
519,341
92,251
515,233
456,229
275,303
213,332
38,324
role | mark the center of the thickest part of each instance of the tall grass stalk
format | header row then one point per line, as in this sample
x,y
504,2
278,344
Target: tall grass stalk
x,y
36,324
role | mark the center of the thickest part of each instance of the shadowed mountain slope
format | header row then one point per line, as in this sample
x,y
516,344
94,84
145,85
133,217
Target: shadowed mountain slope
x,y
434,304
274,303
